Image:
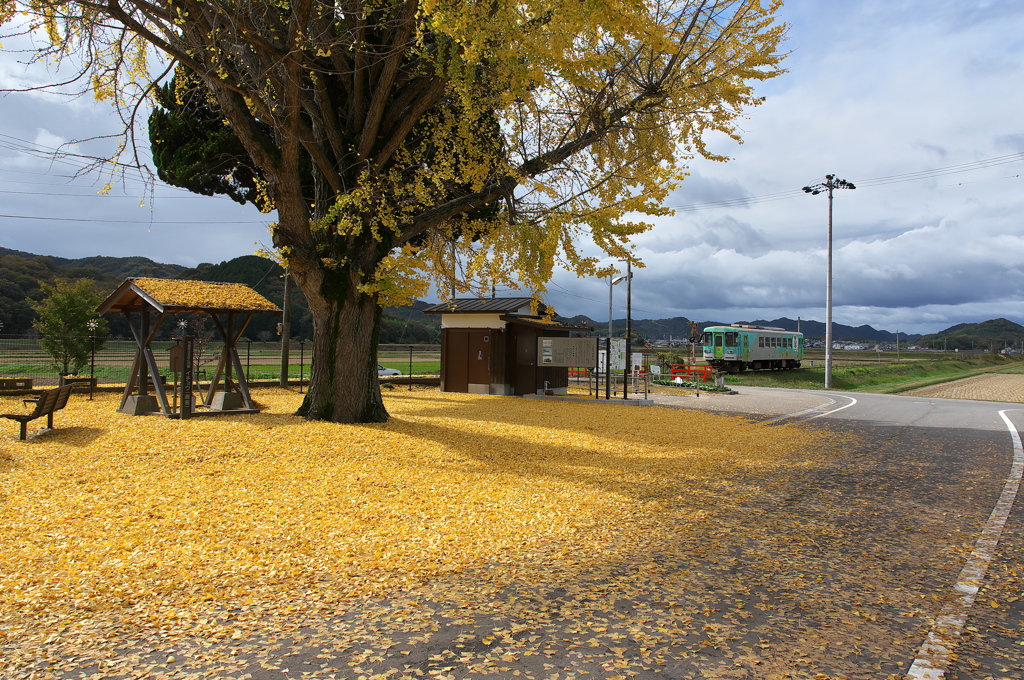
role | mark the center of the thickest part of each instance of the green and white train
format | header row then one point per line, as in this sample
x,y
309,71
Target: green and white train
x,y
741,346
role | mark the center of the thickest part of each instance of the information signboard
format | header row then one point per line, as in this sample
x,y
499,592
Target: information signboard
x,y
575,352
618,355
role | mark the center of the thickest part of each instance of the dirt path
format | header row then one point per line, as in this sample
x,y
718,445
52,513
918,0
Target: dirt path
x,y
988,387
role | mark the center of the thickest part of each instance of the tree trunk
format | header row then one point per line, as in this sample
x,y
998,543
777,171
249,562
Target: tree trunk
x,y
343,384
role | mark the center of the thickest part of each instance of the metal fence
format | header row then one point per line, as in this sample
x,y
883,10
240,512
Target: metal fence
x,y
25,364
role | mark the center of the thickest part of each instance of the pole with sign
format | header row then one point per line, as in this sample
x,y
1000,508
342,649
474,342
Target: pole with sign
x,y
187,377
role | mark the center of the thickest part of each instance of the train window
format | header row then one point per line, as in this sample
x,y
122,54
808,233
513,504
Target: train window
x,y
760,342
718,339
730,339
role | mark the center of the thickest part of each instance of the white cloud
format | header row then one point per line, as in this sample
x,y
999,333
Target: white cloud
x,y
876,89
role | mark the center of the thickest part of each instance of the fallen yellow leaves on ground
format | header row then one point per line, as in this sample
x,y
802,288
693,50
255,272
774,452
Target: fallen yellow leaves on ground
x,y
157,522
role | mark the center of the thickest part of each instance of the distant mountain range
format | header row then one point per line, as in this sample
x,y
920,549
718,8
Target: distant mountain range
x,y
21,272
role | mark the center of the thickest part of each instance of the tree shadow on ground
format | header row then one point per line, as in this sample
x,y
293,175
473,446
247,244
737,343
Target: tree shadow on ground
x,y
75,435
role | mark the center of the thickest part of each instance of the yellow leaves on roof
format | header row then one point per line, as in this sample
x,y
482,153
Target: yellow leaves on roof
x,y
546,321
204,294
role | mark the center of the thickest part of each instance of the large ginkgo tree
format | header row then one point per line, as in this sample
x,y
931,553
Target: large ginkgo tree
x,y
404,142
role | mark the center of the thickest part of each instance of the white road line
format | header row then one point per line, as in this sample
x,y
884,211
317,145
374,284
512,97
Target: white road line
x,y
835,410
812,410
933,657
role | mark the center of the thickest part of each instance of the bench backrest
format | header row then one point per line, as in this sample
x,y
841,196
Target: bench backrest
x,y
62,397
52,400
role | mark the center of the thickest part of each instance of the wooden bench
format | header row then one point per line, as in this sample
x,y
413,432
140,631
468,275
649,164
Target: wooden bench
x,y
46,403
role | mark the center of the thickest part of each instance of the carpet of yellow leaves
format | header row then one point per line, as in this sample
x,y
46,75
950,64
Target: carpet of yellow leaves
x,y
156,523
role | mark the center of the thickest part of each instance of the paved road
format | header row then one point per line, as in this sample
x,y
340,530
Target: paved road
x,y
962,456
834,571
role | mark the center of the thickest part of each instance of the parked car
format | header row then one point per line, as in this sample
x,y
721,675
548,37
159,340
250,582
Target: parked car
x,y
381,371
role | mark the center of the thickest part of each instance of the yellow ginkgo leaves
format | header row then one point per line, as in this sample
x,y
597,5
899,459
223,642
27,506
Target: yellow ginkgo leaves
x,y
204,295
158,522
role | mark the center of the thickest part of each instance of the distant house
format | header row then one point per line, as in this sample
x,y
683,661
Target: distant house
x,y
489,346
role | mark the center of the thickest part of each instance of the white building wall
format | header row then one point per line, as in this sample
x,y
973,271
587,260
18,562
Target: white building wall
x,y
471,321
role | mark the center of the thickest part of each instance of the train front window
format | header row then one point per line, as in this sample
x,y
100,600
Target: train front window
x,y
718,339
730,339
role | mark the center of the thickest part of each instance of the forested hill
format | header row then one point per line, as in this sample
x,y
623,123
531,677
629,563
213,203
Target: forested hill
x,y
21,274
994,334
400,325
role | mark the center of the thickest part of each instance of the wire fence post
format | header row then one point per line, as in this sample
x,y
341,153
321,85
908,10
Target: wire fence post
x,y
410,368
92,360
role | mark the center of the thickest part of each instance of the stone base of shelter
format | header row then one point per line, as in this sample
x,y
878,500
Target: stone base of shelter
x,y
140,405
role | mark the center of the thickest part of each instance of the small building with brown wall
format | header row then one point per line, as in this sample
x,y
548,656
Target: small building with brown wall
x,y
489,346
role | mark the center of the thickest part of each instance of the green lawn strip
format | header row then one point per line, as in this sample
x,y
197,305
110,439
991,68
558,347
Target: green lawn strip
x,y
889,378
897,388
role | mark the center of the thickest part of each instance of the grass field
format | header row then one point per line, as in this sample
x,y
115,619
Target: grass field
x,y
863,372
26,359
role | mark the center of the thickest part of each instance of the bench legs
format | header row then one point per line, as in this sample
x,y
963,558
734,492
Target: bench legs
x,y
24,431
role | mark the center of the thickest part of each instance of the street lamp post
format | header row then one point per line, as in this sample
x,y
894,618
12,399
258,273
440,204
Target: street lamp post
x,y
831,182
612,281
629,330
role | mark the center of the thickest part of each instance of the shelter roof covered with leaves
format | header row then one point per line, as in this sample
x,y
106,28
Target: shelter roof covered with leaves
x,y
173,295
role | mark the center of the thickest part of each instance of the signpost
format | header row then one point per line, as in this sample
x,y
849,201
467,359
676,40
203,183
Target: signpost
x,y
187,377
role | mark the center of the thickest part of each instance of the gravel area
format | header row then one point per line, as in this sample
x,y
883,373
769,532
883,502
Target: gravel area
x,y
1008,387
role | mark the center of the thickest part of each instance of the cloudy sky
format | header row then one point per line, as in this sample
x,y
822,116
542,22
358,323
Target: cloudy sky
x,y
920,103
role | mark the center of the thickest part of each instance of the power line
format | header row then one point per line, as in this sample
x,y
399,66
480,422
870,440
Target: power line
x,y
744,201
583,297
81,219
99,195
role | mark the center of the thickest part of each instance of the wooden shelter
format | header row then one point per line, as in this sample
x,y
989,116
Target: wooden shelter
x,y
145,302
489,346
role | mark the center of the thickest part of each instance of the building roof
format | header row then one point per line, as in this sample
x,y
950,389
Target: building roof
x,y
177,295
482,306
547,324
507,309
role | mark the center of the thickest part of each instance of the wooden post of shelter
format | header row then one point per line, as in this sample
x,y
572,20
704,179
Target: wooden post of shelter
x,y
138,298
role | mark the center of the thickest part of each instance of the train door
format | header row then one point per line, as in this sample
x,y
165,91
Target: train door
x,y
719,340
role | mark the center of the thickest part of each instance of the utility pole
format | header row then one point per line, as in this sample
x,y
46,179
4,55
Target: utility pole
x,y
629,329
286,326
831,182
